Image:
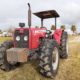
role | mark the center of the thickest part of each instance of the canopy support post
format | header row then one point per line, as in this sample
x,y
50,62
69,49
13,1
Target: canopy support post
x,y
55,22
41,22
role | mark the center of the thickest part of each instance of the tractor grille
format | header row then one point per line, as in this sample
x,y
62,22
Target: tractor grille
x,y
22,43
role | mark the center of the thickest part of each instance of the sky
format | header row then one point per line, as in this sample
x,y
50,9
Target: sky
x,y
14,11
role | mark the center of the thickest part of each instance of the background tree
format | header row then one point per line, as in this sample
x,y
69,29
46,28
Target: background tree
x,y
0,31
11,30
63,27
53,27
36,26
73,29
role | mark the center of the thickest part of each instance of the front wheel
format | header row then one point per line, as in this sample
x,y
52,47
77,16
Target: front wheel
x,y
49,59
5,65
3,59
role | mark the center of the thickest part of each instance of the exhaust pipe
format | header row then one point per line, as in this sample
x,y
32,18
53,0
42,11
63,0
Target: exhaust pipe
x,y
29,16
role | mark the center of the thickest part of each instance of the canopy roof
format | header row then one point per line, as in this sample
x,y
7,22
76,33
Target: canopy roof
x,y
47,14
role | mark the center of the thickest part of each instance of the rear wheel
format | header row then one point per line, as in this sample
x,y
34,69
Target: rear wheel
x,y
49,59
3,59
64,45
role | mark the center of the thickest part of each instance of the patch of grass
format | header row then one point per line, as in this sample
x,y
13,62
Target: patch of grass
x,y
2,39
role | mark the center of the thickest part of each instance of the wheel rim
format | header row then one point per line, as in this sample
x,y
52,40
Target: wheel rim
x,y
55,58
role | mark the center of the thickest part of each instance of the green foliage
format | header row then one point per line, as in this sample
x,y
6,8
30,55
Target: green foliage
x,y
53,27
0,31
36,26
63,27
73,28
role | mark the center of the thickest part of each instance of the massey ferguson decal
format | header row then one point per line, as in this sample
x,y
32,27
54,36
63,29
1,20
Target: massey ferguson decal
x,y
40,31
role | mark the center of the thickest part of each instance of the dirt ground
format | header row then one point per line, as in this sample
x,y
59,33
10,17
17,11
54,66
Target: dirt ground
x,y
69,69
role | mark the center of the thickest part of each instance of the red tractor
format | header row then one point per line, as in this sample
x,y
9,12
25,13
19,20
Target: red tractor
x,y
28,41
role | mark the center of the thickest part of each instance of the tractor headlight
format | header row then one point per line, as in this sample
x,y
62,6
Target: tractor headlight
x,y
18,38
25,38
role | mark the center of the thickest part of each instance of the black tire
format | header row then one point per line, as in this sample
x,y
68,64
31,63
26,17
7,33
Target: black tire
x,y
2,49
64,45
6,45
4,64
47,67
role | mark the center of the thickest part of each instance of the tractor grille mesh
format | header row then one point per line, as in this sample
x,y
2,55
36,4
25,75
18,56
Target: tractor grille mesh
x,y
22,43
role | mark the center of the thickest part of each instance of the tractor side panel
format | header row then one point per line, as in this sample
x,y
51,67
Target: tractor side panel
x,y
57,35
33,40
36,34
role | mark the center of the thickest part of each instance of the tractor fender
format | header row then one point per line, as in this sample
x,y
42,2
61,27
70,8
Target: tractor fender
x,y
57,35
